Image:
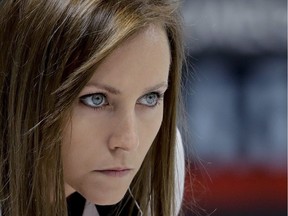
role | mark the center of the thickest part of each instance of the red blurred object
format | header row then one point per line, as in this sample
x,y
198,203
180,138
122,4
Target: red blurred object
x,y
234,191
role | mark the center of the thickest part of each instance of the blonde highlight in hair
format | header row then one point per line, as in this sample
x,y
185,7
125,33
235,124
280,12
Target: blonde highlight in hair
x,y
49,50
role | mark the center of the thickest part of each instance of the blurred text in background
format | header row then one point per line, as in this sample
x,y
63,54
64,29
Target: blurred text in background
x,y
236,101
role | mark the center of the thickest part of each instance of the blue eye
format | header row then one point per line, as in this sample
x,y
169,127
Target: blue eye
x,y
151,99
94,100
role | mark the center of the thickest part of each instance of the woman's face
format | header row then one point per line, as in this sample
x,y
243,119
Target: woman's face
x,y
116,118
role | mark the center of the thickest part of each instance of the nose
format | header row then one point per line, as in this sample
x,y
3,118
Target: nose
x,y
124,134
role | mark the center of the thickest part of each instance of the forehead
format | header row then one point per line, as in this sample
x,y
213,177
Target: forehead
x,y
148,39
144,58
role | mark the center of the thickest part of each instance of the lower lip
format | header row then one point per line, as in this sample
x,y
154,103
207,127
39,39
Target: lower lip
x,y
115,173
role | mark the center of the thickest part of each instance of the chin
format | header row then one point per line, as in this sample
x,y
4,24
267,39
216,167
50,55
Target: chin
x,y
105,199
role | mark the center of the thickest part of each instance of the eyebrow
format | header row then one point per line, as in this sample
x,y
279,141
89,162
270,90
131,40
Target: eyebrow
x,y
115,91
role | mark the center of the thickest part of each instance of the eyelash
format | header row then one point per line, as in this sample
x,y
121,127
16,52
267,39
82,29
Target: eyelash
x,y
160,97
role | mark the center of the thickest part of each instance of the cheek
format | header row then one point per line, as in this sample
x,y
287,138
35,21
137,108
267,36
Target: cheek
x,y
150,128
81,141
82,150
84,131
76,145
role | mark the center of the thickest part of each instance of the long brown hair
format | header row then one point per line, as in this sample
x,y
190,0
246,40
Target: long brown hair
x,y
48,51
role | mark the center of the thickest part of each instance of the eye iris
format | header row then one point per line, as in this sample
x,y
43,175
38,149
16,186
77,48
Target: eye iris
x,y
151,99
97,99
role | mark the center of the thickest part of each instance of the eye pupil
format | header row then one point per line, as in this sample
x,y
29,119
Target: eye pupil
x,y
97,99
151,99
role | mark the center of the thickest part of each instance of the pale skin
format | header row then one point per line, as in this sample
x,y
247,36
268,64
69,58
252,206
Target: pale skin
x,y
116,118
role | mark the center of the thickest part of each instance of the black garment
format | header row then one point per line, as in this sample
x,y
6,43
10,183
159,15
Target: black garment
x,y
76,203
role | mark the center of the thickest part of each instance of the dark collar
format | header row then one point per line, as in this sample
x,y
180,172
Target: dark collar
x,y
76,203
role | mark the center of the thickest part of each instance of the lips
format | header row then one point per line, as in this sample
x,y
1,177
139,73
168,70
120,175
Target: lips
x,y
115,172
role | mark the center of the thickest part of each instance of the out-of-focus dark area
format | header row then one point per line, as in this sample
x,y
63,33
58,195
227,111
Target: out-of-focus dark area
x,y
236,101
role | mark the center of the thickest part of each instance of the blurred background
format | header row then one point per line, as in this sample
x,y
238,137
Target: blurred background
x,y
236,101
